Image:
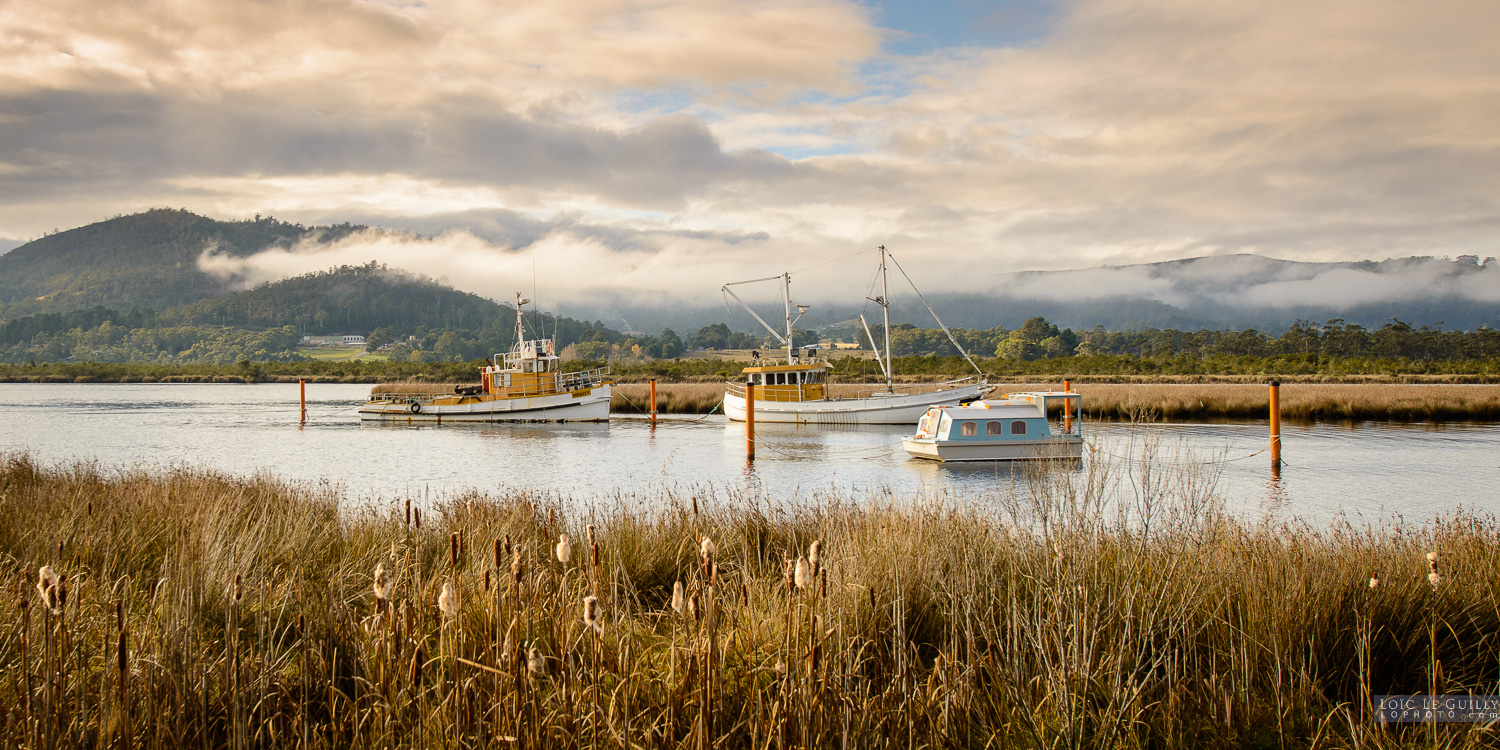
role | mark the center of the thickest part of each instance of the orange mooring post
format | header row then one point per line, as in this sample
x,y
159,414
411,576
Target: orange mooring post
x,y
1067,406
653,402
302,386
1276,424
749,421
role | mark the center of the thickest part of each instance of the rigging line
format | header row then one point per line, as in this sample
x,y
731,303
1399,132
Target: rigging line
x,y
935,315
835,260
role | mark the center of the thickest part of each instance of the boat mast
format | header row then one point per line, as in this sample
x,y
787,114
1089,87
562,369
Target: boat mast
x,y
885,309
786,299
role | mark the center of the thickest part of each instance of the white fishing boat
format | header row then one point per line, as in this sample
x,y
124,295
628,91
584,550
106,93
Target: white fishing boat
x,y
1015,427
526,384
797,391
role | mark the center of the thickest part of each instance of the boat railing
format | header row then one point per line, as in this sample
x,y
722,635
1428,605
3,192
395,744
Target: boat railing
x,y
782,393
572,381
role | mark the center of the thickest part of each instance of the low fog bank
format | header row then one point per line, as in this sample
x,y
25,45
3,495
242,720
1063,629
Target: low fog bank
x,y
673,280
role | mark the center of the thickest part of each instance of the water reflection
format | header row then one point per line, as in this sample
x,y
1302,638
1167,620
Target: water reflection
x,y
1329,469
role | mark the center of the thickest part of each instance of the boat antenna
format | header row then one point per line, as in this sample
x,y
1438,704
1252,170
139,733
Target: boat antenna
x,y
520,320
956,345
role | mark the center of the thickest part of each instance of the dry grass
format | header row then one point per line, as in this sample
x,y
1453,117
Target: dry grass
x,y
247,618
1177,402
1305,401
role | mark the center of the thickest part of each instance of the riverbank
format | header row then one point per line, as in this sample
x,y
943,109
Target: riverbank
x,y
205,610
1182,402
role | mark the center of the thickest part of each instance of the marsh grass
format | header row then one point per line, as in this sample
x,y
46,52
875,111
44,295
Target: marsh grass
x,y
1053,617
1392,402
1299,401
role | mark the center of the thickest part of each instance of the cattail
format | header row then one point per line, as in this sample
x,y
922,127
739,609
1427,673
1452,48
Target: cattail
x,y
677,598
706,549
47,587
693,606
815,556
591,613
382,582
408,511
453,549
91,508
416,666
564,549
499,560
239,590
1434,579
417,516
550,518
802,574
1432,562
517,566
486,580
448,600
823,582
695,506
535,663
507,545
593,542
1374,582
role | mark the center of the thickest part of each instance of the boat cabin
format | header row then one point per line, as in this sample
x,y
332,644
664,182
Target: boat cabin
x,y
1019,416
529,368
799,382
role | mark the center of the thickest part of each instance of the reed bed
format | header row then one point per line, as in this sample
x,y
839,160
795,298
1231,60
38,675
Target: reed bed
x,y
190,609
1299,401
1393,402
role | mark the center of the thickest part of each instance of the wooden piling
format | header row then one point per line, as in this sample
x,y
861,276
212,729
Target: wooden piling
x,y
653,402
1276,424
302,387
749,421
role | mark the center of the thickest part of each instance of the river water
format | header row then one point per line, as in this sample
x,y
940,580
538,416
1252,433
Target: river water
x,y
1363,471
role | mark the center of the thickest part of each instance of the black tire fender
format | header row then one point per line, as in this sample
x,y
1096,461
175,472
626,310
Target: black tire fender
x,y
414,408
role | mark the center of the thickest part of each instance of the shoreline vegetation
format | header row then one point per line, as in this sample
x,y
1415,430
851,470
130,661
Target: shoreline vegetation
x,y
1354,397
1171,402
187,608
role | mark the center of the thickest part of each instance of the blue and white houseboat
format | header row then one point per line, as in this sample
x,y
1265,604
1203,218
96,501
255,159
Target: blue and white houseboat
x,y
1015,427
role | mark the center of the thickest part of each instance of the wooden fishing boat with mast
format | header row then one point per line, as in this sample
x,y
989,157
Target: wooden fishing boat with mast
x,y
526,384
797,391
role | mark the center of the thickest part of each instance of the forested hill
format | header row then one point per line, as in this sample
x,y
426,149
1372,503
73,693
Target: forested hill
x,y
146,260
349,299
430,321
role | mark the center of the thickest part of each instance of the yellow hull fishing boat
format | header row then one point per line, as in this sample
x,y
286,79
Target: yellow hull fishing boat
x,y
797,391
526,384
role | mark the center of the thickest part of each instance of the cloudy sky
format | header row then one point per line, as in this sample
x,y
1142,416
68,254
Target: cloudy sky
x,y
669,145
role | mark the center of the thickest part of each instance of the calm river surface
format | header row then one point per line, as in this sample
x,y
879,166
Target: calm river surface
x,y
1361,471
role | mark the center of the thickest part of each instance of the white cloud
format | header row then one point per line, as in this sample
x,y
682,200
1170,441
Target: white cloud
x,y
1136,130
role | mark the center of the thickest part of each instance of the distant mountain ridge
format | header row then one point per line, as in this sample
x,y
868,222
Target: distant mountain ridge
x,y
150,260
145,260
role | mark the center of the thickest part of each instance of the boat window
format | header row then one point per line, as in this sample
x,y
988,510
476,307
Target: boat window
x,y
1018,427
780,378
969,429
923,424
994,428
